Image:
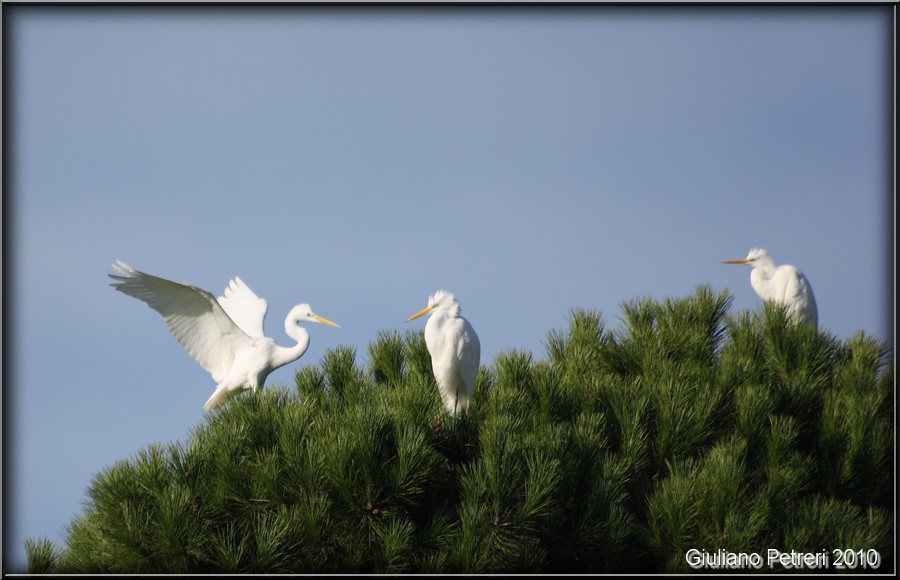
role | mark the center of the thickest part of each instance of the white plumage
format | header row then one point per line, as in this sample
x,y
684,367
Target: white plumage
x,y
224,335
784,284
454,348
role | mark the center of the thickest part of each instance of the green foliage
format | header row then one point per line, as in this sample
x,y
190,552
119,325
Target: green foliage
x,y
43,556
684,428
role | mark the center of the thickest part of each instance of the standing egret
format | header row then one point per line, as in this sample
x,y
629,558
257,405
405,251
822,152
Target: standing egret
x,y
454,348
783,284
224,335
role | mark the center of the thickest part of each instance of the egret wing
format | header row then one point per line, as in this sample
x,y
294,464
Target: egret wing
x,y
195,318
468,350
244,307
798,293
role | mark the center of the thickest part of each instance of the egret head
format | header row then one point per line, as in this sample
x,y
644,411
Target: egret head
x,y
757,257
440,300
303,313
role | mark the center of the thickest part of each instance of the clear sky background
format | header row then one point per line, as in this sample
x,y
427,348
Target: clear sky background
x,y
358,159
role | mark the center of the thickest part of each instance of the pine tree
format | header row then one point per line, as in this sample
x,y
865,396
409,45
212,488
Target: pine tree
x,y
685,428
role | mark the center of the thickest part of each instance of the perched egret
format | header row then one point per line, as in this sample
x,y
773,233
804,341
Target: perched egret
x,y
784,284
454,348
224,335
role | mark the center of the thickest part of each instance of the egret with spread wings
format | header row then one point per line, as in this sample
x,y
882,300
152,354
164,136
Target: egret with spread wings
x,y
224,335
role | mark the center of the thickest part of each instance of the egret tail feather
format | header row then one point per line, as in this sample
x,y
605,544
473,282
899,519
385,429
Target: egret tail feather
x,y
219,396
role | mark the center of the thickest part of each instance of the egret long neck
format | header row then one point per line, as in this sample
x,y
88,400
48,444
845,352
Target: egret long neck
x,y
285,355
761,281
441,317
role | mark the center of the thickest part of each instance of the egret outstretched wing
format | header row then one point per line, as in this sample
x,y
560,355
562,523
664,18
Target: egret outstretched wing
x,y
244,307
193,315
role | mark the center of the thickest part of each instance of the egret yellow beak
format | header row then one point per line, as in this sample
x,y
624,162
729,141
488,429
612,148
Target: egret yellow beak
x,y
326,321
422,312
740,261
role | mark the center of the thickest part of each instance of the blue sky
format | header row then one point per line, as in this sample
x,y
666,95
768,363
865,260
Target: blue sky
x,y
528,160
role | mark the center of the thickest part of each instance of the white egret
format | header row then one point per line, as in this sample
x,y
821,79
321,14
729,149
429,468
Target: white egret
x,y
224,335
784,284
454,348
